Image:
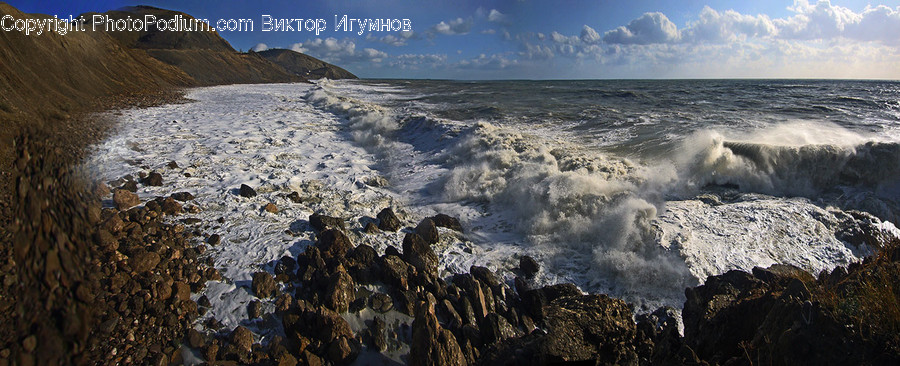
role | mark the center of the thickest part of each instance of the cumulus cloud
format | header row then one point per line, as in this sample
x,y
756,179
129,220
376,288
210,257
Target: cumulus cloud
x,y
260,47
338,51
483,61
397,40
454,27
727,26
496,16
648,29
826,21
589,35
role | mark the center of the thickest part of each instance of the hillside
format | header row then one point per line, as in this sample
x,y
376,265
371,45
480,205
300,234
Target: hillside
x,y
304,65
205,56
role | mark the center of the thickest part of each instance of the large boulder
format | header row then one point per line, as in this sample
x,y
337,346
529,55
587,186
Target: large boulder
x,y
333,243
322,222
419,254
445,221
125,199
428,231
263,285
341,290
387,220
431,344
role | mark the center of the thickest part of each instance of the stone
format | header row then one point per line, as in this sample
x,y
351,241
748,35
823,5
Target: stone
x,y
381,303
341,290
271,208
322,222
263,285
254,309
143,261
171,207
377,337
387,220
485,275
371,228
242,338
247,191
286,265
445,221
153,179
181,290
528,266
419,254
428,231
341,352
294,197
125,199
182,196
333,243
195,339
394,271
431,344
495,328
214,239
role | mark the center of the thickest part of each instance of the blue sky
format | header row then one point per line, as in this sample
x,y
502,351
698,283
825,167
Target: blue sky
x,y
526,39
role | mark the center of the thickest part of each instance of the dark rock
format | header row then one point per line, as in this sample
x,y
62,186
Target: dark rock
x,y
341,290
181,290
182,196
782,274
333,243
392,250
153,179
125,199
286,265
247,191
371,228
534,301
387,220
528,266
431,344
203,301
660,328
380,302
195,339
143,261
377,338
130,186
172,165
428,231
214,239
454,320
254,309
394,271
486,276
322,222
242,338
342,352
495,328
419,254
264,285
171,207
442,220
294,197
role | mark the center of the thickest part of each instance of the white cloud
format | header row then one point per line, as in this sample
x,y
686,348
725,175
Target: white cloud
x,y
338,51
497,17
727,26
649,28
454,27
260,47
589,35
826,21
483,61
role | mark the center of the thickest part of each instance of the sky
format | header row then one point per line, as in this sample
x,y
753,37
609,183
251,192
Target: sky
x,y
600,39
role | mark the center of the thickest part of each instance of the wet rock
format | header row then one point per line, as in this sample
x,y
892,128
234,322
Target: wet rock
x,y
263,285
381,303
153,179
454,320
242,338
214,239
172,165
195,339
377,181
294,197
333,243
495,328
431,344
247,191
130,186
286,265
528,266
170,207
387,220
182,196
428,231
534,301
254,309
342,351
445,221
660,329
371,228
125,199
485,276
341,290
377,338
181,290
419,254
322,222
271,208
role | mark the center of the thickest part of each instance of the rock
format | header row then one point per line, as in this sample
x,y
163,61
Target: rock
x,y
377,338
486,276
660,328
254,309
782,274
130,186
586,329
271,208
371,228
419,254
247,192
394,271
387,220
341,352
242,338
380,302
125,199
428,231
322,222
341,290
172,165
528,266
534,301
333,243
195,339
204,301
181,290
495,328
294,197
454,320
448,222
171,207
214,239
286,265
153,179
285,359
377,181
264,285
182,196
143,261
431,344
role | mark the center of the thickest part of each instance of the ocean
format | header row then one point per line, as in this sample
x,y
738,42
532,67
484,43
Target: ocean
x,y
636,189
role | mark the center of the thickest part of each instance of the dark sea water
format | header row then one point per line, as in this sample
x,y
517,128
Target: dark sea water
x,y
640,188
